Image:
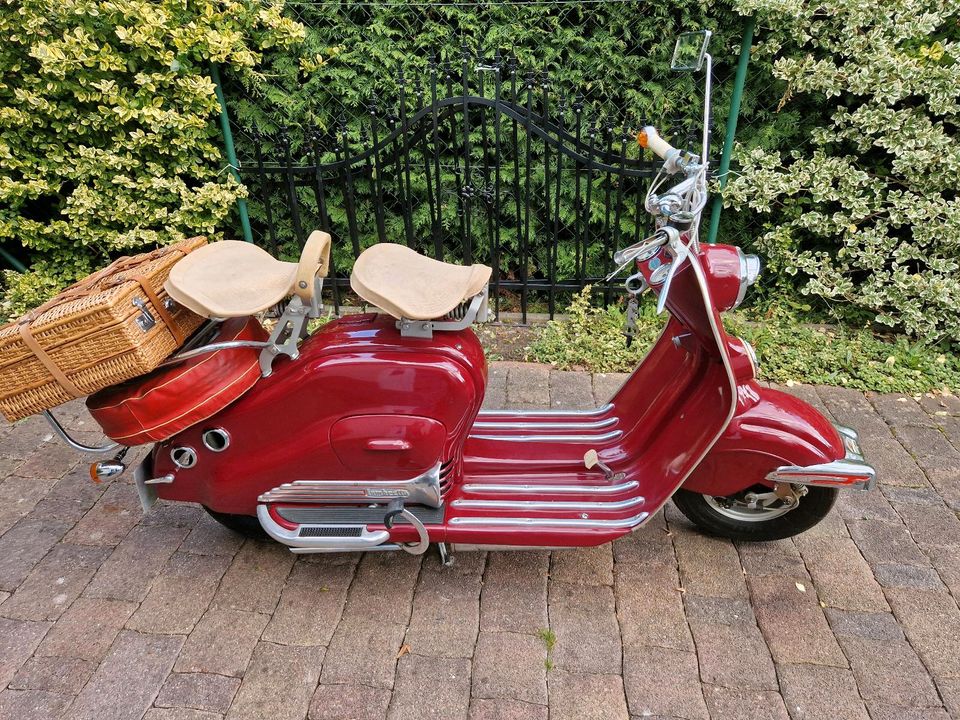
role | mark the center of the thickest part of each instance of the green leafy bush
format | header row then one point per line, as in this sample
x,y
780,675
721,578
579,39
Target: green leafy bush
x,y
107,139
864,210
789,350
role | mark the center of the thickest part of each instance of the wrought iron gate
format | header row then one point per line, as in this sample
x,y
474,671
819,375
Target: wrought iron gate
x,y
479,162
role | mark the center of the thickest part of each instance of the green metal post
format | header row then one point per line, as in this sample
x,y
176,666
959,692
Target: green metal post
x,y
231,152
738,82
14,263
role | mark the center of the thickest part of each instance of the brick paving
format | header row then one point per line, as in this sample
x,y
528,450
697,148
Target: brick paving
x,y
107,614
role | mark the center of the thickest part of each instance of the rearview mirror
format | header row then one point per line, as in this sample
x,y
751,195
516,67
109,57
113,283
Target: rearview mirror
x,y
690,50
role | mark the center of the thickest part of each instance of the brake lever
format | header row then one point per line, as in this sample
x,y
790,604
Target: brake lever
x,y
680,252
626,256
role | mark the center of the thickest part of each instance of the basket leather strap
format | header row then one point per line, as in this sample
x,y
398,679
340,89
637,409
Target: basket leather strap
x,y
47,361
158,305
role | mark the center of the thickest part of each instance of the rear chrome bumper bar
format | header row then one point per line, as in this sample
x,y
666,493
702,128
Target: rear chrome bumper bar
x,y
850,472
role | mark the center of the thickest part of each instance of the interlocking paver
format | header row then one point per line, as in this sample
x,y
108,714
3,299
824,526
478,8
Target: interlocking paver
x,y
180,714
255,579
571,390
590,566
584,620
650,607
793,623
31,704
575,696
55,582
222,642
364,652
514,595
278,684
446,608
886,668
311,603
510,666
87,630
129,678
63,676
735,704
360,702
199,691
709,566
815,692
734,656
430,688
663,682
931,621
482,709
115,513
842,577
18,496
18,640
882,542
26,544
528,385
106,613
137,560
180,594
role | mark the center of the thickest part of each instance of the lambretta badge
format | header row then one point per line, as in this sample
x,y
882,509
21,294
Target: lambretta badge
x,y
387,492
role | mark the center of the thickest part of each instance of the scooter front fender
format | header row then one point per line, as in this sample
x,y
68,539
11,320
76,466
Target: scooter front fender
x,y
771,430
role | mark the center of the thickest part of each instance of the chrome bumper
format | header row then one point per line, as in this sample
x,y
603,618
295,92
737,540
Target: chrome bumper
x,y
851,472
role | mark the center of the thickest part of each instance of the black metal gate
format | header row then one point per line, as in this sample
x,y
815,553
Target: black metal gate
x,y
481,162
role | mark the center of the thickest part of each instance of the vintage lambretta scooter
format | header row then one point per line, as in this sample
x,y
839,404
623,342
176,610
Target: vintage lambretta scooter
x,y
367,435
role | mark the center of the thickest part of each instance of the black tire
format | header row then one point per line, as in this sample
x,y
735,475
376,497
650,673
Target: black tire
x,y
246,525
812,508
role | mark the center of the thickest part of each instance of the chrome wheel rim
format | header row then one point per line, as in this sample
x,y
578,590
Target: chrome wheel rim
x,y
738,510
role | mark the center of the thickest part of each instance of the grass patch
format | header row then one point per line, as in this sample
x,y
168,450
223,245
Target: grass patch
x,y
788,348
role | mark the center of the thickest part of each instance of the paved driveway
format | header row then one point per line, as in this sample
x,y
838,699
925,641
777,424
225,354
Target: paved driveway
x,y
107,614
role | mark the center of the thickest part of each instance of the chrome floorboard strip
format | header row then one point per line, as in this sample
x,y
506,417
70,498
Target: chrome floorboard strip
x,y
612,506
527,488
579,523
605,437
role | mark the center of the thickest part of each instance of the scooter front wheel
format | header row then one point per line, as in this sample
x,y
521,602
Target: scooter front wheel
x,y
733,517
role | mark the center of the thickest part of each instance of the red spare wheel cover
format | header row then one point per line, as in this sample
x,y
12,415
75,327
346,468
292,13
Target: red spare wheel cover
x,y
157,406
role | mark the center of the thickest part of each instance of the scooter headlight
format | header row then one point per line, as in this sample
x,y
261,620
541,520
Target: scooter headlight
x,y
749,272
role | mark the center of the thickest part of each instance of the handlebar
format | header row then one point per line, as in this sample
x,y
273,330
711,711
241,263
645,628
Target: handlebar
x,y
648,137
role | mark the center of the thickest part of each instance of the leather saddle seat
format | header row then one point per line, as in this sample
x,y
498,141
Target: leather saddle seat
x,y
236,279
406,284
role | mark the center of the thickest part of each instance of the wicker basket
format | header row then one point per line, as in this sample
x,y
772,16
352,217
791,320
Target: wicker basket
x,y
105,329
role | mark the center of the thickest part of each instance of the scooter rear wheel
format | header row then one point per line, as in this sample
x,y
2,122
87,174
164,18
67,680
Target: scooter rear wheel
x,y
245,525
737,522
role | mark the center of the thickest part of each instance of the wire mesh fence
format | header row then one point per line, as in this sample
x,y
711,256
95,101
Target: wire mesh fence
x,y
384,128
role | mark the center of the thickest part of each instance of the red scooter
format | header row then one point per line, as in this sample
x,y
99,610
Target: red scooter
x,y
368,434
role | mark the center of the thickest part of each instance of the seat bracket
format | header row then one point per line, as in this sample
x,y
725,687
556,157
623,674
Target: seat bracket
x,y
460,318
291,328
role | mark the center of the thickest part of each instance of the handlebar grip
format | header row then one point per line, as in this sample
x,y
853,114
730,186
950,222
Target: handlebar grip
x,y
650,138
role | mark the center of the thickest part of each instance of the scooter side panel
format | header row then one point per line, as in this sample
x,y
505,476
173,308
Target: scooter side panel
x,y
290,426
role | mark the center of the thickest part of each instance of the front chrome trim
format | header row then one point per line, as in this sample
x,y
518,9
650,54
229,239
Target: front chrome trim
x,y
576,523
526,489
551,504
849,472
368,540
605,437
593,412
421,490
547,425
